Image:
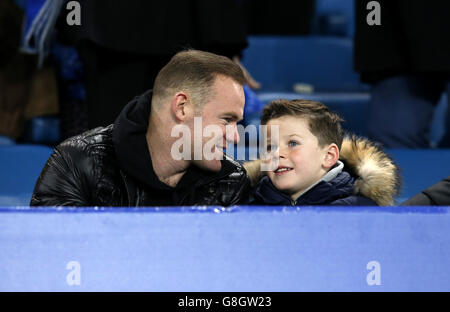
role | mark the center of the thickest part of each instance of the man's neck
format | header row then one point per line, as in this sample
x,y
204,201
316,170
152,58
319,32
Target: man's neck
x,y
167,169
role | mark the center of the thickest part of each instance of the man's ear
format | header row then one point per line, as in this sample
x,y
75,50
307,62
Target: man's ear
x,y
331,156
181,106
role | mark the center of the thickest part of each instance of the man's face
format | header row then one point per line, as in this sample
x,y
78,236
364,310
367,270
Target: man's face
x,y
299,154
222,112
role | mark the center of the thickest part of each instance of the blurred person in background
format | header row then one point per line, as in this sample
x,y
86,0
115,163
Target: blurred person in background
x,y
123,44
25,90
15,71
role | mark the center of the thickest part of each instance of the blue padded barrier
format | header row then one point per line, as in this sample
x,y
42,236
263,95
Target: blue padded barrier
x,y
279,63
210,249
20,166
4,140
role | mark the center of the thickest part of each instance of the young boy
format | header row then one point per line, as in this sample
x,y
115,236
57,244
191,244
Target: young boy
x,y
310,153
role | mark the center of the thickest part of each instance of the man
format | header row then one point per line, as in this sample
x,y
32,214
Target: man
x,y
133,162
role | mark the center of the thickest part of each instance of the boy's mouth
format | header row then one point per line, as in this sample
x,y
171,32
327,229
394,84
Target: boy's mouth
x,y
282,170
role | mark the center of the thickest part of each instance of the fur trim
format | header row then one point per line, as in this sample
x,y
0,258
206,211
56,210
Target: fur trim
x,y
377,177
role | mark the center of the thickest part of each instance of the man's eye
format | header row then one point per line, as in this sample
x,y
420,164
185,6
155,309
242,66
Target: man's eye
x,y
271,147
292,143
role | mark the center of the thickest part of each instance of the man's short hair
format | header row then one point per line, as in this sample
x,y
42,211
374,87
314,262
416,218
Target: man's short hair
x,y
194,71
322,123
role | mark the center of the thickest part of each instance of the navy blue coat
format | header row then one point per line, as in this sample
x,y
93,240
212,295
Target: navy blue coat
x,y
339,192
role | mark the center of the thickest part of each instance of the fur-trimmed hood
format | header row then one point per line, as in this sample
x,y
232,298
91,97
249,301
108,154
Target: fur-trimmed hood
x,y
376,175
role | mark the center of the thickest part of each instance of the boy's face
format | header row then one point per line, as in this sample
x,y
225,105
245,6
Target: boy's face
x,y
301,161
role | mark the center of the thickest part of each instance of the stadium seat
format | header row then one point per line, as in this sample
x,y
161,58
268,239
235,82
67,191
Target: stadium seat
x,y
308,67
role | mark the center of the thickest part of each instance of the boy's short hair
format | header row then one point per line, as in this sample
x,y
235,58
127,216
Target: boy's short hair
x,y
195,71
323,123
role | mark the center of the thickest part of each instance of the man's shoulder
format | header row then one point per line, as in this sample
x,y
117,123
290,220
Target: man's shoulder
x,y
82,171
91,152
92,155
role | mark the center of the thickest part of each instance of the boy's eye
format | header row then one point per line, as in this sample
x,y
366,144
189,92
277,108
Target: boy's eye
x,y
292,143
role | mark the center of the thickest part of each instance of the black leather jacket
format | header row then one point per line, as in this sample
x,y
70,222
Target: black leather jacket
x,y
436,195
112,167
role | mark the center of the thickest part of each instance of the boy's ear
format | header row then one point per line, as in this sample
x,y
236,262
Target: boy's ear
x,y
331,156
181,106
